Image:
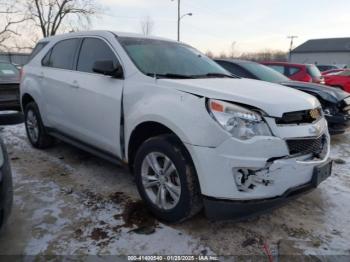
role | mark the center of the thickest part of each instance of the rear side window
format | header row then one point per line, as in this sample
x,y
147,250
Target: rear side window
x,y
278,68
235,69
62,55
37,49
93,50
292,70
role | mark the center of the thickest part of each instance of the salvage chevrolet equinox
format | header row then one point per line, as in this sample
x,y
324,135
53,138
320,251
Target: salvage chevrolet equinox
x,y
194,135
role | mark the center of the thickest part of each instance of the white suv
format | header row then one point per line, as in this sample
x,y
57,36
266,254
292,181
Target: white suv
x,y
193,134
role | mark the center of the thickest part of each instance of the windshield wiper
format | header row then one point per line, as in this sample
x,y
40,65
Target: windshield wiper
x,y
218,75
168,75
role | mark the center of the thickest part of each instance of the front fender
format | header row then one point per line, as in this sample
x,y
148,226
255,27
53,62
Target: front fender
x,y
183,113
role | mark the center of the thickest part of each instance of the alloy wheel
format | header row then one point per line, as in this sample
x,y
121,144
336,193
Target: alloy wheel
x,y
161,180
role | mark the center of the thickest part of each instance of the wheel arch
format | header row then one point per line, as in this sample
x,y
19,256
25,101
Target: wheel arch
x,y
26,99
144,131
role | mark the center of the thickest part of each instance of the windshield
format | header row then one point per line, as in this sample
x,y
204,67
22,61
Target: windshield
x,y
8,70
170,59
265,73
313,71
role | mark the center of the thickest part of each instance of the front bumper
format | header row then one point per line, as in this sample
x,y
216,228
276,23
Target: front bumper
x,y
237,210
266,161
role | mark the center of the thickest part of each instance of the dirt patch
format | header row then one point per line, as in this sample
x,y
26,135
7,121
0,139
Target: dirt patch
x,y
98,234
119,198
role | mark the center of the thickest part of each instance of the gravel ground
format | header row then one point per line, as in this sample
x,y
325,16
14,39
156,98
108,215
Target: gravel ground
x,y
68,202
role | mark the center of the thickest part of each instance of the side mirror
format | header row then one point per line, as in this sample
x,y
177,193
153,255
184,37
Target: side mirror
x,y
107,68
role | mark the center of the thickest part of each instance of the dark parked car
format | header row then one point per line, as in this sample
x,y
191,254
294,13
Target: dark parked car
x,y
6,191
9,87
324,68
335,102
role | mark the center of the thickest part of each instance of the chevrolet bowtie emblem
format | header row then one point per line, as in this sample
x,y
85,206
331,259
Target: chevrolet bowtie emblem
x,y
315,113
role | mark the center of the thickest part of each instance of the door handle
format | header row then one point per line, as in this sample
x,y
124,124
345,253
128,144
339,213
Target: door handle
x,y
41,75
75,84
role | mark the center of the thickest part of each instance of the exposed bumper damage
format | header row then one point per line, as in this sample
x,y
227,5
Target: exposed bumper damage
x,y
260,173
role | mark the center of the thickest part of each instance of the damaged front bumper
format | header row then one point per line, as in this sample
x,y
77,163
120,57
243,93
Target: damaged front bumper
x,y
260,172
217,209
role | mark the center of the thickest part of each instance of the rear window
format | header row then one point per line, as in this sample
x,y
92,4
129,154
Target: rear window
x,y
292,70
37,49
8,70
313,71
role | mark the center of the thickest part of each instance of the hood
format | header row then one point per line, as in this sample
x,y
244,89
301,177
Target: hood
x,y
329,94
273,99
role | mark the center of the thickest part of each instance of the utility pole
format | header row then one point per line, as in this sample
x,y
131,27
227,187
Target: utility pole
x,y
291,37
179,17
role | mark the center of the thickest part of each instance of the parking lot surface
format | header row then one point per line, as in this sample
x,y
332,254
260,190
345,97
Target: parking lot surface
x,y
68,202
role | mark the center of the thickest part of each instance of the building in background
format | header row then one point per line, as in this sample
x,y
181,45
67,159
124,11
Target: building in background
x,y
15,58
331,51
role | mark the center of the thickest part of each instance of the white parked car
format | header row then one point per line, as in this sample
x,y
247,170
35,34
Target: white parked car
x,y
192,134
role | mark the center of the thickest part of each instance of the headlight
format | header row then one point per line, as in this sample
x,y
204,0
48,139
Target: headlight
x,y
347,100
240,122
330,111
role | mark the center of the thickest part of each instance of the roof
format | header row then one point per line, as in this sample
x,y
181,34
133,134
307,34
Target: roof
x,y
324,46
101,33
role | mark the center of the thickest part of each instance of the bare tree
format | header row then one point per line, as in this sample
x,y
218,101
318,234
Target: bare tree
x,y
11,16
52,16
147,25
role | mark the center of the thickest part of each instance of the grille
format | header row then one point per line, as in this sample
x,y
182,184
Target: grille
x,y
300,117
306,146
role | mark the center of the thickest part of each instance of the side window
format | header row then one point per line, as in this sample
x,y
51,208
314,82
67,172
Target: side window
x,y
235,69
62,55
93,50
278,68
292,70
37,49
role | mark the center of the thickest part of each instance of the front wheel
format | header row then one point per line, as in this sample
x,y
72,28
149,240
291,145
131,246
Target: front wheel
x,y
166,179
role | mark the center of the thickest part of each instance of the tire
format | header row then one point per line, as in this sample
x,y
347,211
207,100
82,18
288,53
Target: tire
x,y
32,120
181,189
6,188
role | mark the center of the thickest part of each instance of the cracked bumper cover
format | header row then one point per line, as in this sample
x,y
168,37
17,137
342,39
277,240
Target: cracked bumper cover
x,y
278,175
237,210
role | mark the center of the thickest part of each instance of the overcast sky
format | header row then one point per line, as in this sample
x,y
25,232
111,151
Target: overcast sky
x,y
253,24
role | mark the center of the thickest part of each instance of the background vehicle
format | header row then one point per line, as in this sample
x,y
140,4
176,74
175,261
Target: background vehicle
x,y
332,71
298,72
9,87
340,80
335,103
6,190
177,118
323,68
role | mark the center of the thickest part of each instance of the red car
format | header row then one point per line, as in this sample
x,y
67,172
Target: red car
x,y
332,71
339,80
298,72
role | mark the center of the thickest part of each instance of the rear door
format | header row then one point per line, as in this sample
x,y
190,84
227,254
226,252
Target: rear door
x,y
57,83
95,105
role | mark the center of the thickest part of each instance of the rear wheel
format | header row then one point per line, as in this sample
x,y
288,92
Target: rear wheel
x,y
166,179
36,132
